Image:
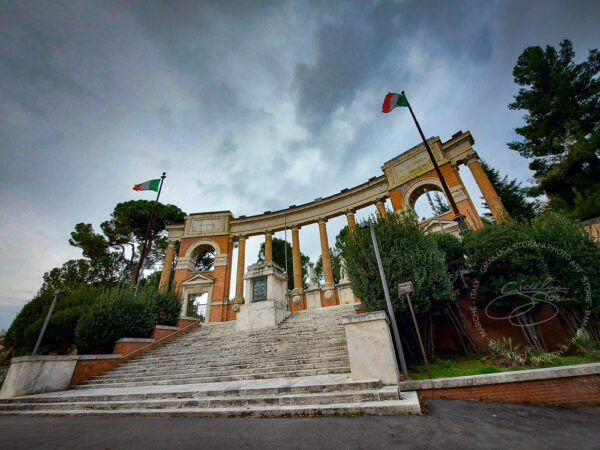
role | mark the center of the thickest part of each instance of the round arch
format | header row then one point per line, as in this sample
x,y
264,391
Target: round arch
x,y
202,243
417,189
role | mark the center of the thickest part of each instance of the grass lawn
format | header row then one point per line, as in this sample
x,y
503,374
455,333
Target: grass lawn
x,y
472,365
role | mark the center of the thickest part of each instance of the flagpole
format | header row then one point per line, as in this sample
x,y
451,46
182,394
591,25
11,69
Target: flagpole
x,y
139,266
458,216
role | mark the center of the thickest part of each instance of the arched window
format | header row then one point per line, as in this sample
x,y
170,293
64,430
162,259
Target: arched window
x,y
204,258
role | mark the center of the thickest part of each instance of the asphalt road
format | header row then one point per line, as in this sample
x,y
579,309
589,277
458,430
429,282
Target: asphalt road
x,y
448,424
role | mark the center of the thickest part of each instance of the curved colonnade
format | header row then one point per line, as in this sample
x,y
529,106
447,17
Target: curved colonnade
x,y
404,179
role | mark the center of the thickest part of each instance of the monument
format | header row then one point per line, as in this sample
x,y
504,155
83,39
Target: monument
x,y
265,304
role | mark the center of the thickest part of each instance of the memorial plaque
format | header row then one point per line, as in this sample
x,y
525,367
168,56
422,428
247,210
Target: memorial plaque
x,y
259,289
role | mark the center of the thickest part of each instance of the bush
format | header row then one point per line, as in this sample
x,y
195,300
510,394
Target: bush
x,y
168,308
572,258
22,336
60,333
115,315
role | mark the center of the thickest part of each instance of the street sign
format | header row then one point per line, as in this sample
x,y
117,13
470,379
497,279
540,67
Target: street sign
x,y
405,288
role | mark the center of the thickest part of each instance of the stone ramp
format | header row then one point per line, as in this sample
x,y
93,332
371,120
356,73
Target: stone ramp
x,y
274,397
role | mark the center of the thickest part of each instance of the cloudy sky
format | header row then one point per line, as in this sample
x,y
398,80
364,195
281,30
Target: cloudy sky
x,y
248,106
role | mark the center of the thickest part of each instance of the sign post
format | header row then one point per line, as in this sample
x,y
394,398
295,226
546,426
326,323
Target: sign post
x,y
407,288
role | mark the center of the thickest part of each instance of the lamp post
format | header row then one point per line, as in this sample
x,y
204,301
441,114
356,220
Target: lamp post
x,y
369,223
39,341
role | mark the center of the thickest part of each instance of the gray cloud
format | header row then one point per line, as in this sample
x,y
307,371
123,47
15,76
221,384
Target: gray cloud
x,y
249,106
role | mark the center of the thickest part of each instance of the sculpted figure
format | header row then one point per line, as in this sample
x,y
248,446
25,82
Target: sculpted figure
x,y
312,275
343,270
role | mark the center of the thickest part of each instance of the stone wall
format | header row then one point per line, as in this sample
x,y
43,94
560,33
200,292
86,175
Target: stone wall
x,y
569,385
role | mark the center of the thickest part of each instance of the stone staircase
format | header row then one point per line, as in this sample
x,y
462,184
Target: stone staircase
x,y
298,368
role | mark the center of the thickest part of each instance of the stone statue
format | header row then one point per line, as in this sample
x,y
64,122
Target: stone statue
x,y
343,270
312,275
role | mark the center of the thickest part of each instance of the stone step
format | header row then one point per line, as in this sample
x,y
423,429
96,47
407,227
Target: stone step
x,y
302,385
200,358
238,358
224,377
126,370
374,395
409,404
159,374
154,375
283,397
308,336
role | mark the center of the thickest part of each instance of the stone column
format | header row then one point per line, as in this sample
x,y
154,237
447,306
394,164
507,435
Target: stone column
x,y
268,246
163,285
351,222
296,262
239,281
488,191
327,271
381,207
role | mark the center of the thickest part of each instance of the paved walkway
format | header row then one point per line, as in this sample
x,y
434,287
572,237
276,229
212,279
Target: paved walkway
x,y
448,424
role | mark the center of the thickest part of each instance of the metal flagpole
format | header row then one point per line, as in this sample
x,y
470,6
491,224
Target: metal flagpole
x,y
142,256
458,216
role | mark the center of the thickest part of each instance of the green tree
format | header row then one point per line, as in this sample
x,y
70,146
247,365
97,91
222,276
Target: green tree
x,y
123,235
512,194
502,263
437,203
561,134
407,255
106,270
279,252
205,260
573,262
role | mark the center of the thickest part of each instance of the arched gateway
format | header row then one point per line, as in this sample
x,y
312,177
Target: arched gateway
x,y
404,179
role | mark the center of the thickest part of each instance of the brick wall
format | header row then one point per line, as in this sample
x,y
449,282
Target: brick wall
x,y
575,391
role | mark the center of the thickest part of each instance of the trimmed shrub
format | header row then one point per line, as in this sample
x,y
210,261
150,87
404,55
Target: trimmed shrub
x,y
168,308
114,316
22,335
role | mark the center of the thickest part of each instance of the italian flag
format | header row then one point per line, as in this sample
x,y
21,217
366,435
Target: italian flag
x,y
392,100
150,185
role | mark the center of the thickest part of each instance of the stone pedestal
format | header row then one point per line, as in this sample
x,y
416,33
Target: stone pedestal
x,y
370,347
313,298
345,293
265,305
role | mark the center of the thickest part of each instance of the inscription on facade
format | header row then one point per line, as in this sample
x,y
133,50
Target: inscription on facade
x,y
415,165
207,225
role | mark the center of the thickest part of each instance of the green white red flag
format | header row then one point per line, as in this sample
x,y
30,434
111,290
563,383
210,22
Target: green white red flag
x,y
150,185
392,100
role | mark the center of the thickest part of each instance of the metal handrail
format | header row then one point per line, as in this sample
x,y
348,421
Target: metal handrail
x,y
159,340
